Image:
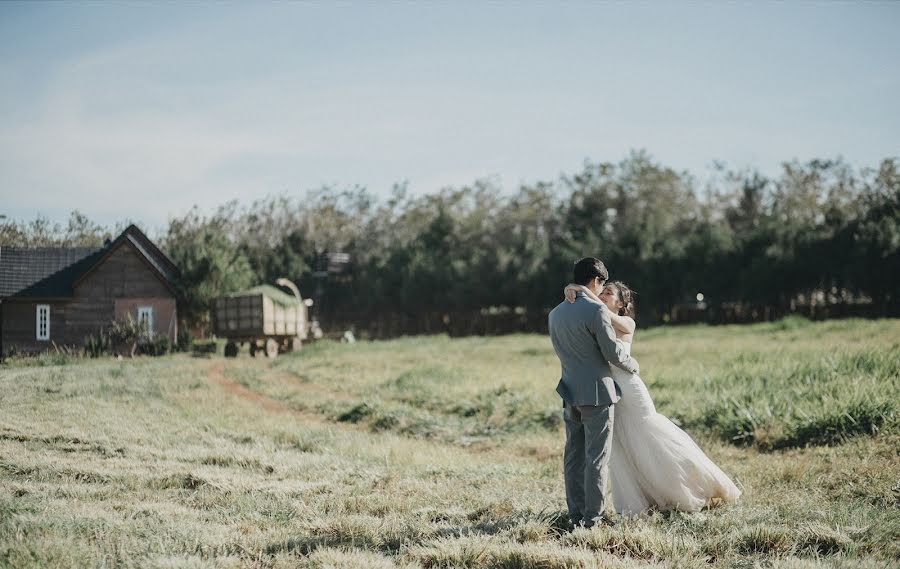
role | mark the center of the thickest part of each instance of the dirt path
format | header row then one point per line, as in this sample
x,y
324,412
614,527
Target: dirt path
x,y
215,373
288,378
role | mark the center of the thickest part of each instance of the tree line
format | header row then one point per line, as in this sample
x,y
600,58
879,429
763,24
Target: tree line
x,y
821,233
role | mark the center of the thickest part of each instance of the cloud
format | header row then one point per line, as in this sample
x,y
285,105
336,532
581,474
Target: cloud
x,y
201,110
122,131
149,152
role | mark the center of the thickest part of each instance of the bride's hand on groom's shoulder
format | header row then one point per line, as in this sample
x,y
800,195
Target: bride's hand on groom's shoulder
x,y
569,293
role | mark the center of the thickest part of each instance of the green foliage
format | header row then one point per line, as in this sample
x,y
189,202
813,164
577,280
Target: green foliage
x,y
124,331
787,384
97,345
356,413
819,237
184,340
210,262
60,357
155,346
119,338
807,403
125,337
80,231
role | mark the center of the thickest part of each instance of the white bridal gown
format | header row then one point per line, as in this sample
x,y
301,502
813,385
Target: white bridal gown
x,y
654,464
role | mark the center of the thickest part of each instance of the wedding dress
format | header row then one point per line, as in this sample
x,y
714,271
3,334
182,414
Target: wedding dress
x,y
654,464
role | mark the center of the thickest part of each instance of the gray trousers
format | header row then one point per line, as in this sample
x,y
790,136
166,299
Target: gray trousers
x,y
586,460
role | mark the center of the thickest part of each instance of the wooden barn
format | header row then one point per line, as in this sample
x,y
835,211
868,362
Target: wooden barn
x,y
59,296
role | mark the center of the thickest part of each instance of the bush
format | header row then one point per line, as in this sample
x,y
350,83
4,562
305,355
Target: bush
x,y
99,345
123,332
125,337
158,346
184,340
857,418
53,359
356,414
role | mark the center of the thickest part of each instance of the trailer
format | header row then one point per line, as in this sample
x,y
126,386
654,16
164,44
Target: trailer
x,y
268,319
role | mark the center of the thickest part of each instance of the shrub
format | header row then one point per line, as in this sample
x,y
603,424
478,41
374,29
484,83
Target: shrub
x,y
99,345
184,340
62,356
157,346
857,418
356,413
53,359
125,337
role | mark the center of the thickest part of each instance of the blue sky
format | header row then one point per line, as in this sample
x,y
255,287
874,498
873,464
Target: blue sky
x,y
140,110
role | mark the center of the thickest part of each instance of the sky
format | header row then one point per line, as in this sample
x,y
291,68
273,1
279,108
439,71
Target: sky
x,y
139,111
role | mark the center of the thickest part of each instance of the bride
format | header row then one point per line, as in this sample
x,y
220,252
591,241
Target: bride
x,y
654,464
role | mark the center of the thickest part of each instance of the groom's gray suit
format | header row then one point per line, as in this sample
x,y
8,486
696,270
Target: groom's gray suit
x,y
586,345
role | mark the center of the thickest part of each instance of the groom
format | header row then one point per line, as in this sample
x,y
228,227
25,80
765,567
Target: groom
x,y
586,345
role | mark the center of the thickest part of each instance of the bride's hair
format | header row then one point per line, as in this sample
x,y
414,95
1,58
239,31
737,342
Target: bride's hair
x,y
626,297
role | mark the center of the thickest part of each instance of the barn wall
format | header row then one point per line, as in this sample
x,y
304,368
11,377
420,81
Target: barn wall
x,y
19,326
124,279
164,315
115,288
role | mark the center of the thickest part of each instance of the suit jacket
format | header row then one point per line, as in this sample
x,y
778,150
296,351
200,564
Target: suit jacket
x,y
585,342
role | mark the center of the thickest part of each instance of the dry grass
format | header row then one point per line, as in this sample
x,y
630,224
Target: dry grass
x,y
433,452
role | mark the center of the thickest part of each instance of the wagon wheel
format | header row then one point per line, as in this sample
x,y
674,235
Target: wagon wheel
x,y
271,348
253,348
231,350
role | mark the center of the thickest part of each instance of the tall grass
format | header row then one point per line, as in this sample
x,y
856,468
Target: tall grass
x,y
780,385
808,401
432,452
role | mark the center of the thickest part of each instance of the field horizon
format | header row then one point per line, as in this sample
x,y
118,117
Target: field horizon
x,y
440,452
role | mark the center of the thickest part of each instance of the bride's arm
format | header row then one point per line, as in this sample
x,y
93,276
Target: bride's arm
x,y
623,324
571,289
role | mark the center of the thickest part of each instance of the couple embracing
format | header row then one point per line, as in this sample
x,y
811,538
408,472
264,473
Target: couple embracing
x,y
612,426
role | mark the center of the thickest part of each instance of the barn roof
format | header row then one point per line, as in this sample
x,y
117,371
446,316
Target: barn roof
x,y
53,272
21,267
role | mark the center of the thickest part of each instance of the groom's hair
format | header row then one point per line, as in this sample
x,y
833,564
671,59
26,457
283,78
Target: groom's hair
x,y
589,268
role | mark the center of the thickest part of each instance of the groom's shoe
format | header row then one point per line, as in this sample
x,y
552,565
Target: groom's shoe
x,y
602,521
562,523
571,525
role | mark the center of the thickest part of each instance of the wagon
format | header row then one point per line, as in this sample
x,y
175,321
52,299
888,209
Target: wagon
x,y
264,317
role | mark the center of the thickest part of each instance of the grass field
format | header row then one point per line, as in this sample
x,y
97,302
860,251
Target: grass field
x,y
437,452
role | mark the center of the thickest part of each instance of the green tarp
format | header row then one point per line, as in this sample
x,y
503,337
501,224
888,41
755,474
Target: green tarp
x,y
270,291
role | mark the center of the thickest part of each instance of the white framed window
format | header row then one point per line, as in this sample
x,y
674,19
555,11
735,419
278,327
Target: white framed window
x,y
42,322
145,319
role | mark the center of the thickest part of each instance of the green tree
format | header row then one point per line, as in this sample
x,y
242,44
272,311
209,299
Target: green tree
x,y
875,238
211,263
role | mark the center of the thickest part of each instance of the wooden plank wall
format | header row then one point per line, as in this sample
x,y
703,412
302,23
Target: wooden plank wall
x,y
240,316
20,326
122,276
254,316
